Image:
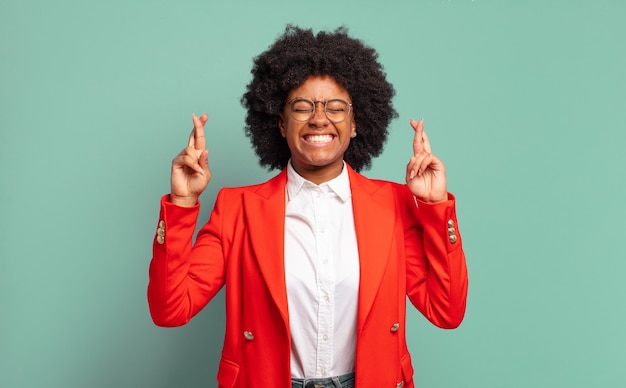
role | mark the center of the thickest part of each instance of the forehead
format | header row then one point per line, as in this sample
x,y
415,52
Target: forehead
x,y
319,88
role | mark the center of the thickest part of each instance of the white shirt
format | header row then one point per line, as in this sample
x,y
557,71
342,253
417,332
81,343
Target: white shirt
x,y
322,275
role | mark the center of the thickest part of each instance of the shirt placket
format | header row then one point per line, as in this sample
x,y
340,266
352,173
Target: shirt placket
x,y
325,282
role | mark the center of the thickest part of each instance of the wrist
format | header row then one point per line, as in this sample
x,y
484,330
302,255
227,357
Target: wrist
x,y
432,200
183,201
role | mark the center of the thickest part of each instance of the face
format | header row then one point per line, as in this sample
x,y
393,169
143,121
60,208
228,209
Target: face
x,y
317,145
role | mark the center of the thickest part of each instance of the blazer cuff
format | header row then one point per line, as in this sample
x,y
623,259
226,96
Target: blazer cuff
x,y
173,219
442,217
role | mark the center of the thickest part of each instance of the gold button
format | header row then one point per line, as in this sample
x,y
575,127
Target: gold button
x,y
160,239
450,223
161,224
453,238
395,327
161,232
451,231
248,335
400,384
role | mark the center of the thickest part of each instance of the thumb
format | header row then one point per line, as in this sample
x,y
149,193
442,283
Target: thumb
x,y
204,161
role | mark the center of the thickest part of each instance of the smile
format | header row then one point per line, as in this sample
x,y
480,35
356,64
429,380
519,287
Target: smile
x,y
318,139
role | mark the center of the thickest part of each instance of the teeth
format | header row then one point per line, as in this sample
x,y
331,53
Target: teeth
x,y
318,138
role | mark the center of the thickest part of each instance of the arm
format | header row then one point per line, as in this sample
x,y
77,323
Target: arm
x,y
435,264
183,279
436,268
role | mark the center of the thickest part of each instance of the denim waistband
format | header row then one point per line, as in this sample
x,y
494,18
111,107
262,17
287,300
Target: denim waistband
x,y
343,381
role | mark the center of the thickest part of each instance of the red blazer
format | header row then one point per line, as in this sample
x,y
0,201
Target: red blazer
x,y
404,249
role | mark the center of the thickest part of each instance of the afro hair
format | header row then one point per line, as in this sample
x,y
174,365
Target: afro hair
x,y
295,56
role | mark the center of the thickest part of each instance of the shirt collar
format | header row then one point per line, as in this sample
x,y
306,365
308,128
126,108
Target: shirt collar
x,y
339,185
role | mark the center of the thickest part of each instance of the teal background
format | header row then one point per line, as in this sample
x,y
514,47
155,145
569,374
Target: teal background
x,y
523,101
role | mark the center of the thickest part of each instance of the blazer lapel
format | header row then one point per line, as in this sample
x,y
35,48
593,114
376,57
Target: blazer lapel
x,y
265,218
374,218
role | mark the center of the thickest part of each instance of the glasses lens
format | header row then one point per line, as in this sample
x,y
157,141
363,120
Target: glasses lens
x,y
301,109
337,110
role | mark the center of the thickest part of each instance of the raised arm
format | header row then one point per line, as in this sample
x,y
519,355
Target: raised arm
x,y
436,268
183,279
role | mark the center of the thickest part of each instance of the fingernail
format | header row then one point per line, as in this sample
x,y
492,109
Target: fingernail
x,y
412,174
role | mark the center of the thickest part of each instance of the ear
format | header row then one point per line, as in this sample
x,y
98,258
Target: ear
x,y
281,124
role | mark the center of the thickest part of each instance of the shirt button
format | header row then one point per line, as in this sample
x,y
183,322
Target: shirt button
x,y
325,337
326,298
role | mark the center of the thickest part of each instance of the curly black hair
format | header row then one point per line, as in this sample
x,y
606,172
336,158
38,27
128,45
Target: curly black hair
x,y
295,56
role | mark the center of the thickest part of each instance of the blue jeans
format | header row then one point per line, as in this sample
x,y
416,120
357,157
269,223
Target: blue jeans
x,y
343,381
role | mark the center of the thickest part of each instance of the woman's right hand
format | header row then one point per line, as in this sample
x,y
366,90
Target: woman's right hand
x,y
190,168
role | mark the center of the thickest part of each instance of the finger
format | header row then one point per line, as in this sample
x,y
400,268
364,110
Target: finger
x,y
190,158
196,138
203,160
192,161
418,138
411,170
426,142
198,123
192,139
422,162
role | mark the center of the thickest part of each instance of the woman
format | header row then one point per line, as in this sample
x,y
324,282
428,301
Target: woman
x,y
317,261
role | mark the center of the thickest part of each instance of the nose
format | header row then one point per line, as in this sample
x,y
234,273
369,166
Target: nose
x,y
319,115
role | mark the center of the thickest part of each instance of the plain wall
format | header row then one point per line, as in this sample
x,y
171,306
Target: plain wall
x,y
524,101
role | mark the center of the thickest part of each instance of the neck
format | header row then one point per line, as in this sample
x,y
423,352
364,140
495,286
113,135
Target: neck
x,y
319,175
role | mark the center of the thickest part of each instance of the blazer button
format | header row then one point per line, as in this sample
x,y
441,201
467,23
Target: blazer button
x,y
453,239
400,384
248,335
395,327
161,232
450,223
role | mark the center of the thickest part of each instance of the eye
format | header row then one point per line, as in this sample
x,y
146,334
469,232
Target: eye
x,y
302,106
336,106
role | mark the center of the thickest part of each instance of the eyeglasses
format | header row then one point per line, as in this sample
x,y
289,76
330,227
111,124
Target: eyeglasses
x,y
303,109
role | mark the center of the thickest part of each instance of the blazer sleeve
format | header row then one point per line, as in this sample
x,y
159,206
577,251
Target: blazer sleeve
x,y
436,271
184,277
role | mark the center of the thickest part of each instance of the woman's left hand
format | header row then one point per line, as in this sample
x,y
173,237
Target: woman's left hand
x,y
425,173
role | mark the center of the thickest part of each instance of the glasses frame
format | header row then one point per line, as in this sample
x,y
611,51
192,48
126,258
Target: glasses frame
x,y
314,103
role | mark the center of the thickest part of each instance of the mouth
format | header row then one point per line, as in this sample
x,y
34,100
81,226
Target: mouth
x,y
318,139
